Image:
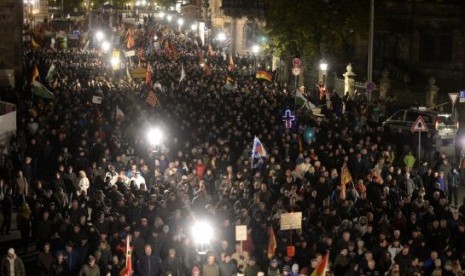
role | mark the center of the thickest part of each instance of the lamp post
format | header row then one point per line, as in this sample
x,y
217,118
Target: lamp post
x,y
323,70
255,51
155,137
202,233
180,23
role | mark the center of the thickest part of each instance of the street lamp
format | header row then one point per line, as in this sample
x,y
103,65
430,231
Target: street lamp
x,y
169,17
194,27
155,138
202,233
323,69
180,22
99,35
255,49
221,36
106,46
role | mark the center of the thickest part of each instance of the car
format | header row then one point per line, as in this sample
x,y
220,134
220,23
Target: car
x,y
405,118
446,126
442,123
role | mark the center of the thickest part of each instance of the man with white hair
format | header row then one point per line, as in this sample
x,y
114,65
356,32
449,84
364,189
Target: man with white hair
x,y
12,265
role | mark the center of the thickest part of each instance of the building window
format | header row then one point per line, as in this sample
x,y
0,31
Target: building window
x,y
435,48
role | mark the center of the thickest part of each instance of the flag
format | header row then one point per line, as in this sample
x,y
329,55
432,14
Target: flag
x,y
264,75
51,72
119,114
34,44
271,242
258,149
128,74
35,73
300,100
231,63
210,51
148,75
229,83
320,270
40,90
131,41
346,178
152,99
86,46
183,74
128,268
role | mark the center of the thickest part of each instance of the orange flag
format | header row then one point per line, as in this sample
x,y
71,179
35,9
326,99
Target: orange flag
x,y
128,268
271,242
35,73
346,178
320,270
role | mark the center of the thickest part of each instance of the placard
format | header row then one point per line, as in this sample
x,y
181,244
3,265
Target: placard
x,y
291,221
241,232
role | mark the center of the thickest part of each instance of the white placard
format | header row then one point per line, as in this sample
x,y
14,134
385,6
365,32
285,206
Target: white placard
x,y
291,221
241,232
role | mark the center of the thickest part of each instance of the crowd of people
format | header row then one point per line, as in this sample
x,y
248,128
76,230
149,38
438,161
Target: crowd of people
x,y
84,177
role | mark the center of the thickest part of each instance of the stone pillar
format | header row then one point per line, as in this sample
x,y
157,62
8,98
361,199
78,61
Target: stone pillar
x,y
349,80
432,93
384,84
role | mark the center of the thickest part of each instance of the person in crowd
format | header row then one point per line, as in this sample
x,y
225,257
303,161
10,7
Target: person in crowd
x,y
45,261
12,264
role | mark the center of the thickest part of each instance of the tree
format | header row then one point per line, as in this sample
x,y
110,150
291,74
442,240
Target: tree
x,y
312,27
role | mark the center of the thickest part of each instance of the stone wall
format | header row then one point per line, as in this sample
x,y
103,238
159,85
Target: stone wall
x,y
11,46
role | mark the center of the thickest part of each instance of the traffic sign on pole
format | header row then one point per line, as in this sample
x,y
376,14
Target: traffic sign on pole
x,y
371,86
453,97
419,125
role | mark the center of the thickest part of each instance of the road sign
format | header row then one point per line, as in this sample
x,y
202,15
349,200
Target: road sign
x,y
462,96
296,71
453,97
296,62
419,125
370,86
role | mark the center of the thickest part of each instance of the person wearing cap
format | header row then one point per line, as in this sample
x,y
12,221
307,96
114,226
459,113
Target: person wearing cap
x,y
12,265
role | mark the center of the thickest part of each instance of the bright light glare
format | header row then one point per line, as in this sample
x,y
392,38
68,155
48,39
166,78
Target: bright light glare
x,y
99,35
221,36
202,232
105,46
323,65
180,21
255,49
114,61
161,14
194,27
155,136
169,17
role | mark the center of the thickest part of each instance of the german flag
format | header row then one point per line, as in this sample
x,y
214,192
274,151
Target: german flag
x,y
272,245
320,270
264,75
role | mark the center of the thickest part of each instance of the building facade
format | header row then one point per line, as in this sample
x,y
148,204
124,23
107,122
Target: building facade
x,y
11,46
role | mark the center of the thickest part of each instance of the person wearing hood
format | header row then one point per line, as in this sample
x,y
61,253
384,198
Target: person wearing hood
x,y
12,264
